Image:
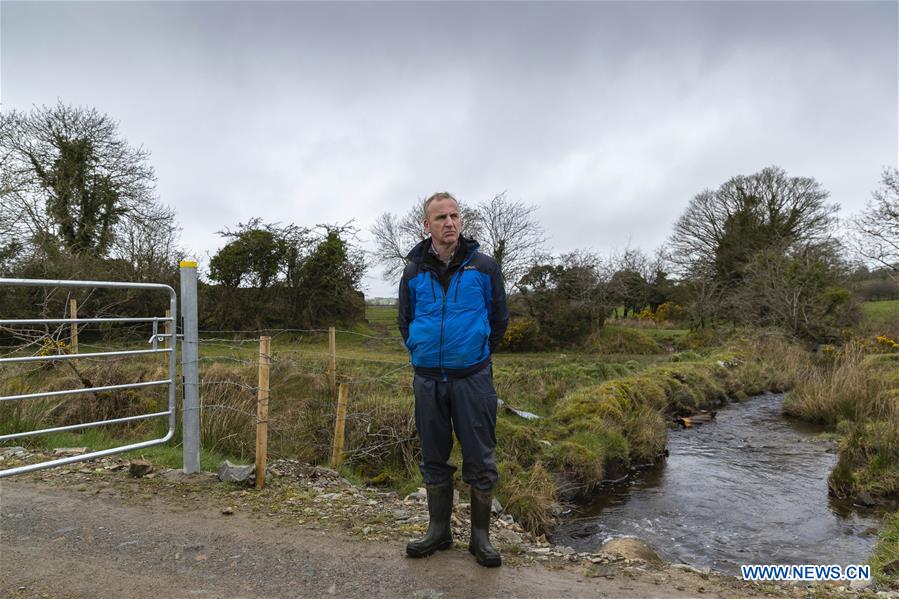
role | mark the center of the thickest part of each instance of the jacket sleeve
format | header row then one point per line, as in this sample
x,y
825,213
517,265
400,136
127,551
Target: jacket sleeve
x,y
499,310
406,307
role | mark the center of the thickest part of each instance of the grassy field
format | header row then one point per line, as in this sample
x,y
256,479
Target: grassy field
x,y
883,315
382,319
633,377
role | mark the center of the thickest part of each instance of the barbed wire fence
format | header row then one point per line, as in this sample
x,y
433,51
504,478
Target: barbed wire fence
x,y
356,408
302,394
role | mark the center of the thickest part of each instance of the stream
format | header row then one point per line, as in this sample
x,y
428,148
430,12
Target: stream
x,y
750,487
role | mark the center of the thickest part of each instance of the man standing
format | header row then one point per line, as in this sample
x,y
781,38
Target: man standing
x,y
452,316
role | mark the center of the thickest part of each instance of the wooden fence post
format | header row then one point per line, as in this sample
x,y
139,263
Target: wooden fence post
x,y
337,450
73,313
265,360
332,358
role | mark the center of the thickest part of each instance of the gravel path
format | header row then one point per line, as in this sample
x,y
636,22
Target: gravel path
x,y
62,542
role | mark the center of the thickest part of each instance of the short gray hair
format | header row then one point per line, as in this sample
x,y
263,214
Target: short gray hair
x,y
440,195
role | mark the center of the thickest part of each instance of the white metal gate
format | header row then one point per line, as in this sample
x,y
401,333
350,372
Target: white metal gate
x,y
170,381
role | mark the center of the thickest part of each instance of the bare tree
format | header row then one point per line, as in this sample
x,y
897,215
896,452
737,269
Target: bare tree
x,y
147,242
395,236
629,283
69,178
507,231
724,227
719,242
511,234
877,228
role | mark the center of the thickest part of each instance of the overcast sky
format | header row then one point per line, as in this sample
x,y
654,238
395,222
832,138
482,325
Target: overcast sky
x,y
608,116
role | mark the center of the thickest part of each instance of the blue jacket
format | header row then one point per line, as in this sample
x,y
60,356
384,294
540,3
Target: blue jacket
x,y
451,318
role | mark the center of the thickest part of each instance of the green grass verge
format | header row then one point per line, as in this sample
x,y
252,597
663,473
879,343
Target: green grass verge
x,y
168,455
885,557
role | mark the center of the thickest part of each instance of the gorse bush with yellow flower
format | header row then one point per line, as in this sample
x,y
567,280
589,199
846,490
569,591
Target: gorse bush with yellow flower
x,y
667,312
53,347
886,344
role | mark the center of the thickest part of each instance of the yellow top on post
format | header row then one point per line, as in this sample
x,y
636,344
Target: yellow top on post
x,y
188,264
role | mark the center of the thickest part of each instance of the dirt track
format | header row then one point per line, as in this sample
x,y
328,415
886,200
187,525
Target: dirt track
x,y
63,542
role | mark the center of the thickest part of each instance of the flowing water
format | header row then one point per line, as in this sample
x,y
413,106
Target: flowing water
x,y
749,487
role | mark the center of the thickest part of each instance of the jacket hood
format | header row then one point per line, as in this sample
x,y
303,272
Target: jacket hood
x,y
420,250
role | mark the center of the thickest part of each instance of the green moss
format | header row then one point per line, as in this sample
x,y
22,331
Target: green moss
x,y
384,477
598,402
518,441
582,462
626,415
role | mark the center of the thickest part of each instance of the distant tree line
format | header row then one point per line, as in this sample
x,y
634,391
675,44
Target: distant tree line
x,y
79,202
760,250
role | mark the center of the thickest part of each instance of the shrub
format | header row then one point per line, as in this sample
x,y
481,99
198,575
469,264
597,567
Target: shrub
x,y
522,335
669,311
868,460
843,385
621,340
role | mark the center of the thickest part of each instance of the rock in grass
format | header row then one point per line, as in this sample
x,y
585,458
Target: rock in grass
x,y
139,468
496,507
891,568
864,499
419,496
235,473
68,451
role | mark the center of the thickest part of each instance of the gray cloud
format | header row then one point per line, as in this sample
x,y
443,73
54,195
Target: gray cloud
x,y
609,116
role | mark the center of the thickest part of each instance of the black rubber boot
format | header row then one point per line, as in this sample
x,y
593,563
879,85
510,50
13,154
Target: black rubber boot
x,y
439,535
480,546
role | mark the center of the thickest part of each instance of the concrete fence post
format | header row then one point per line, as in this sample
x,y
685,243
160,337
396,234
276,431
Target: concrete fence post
x,y
190,368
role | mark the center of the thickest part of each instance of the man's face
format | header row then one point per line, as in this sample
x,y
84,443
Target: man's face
x,y
444,222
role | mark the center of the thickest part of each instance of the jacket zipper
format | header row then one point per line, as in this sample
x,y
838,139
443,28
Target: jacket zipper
x,y
444,295
456,275
442,322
